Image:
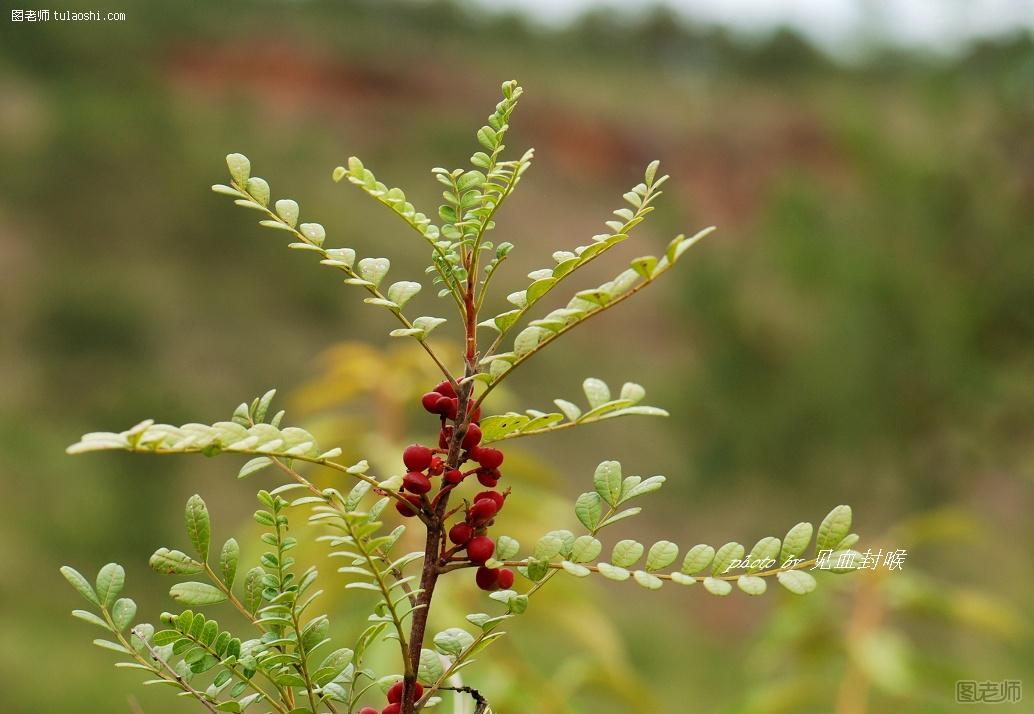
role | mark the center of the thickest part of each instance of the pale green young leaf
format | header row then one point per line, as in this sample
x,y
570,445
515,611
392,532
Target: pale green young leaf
x,y
717,587
254,465
626,553
697,558
579,571
725,556
596,391
751,584
506,547
287,209
648,581
661,555
796,541
834,527
402,292
585,549
796,581
764,554
613,572
373,270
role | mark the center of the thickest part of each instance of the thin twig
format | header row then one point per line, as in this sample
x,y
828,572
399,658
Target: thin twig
x,y
182,682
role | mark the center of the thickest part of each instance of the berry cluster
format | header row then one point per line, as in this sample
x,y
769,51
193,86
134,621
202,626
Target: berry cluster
x,y
424,463
395,699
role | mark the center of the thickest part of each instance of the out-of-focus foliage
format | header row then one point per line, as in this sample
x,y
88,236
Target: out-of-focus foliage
x,y
865,317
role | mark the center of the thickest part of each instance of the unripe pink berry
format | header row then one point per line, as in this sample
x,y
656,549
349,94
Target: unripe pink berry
x,y
445,388
488,457
493,495
505,578
416,457
480,549
482,511
412,509
461,533
453,476
416,482
487,578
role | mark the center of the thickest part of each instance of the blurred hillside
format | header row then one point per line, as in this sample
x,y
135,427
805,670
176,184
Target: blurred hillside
x,y
860,329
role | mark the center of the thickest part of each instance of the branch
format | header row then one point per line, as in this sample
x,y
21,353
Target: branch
x,y
313,244
259,440
172,675
640,197
648,272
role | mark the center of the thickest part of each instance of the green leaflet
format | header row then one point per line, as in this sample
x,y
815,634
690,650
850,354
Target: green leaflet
x,y
834,528
626,553
229,556
512,424
661,555
195,594
199,526
110,580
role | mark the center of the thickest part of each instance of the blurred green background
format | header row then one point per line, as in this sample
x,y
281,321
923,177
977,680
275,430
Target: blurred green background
x,y
860,329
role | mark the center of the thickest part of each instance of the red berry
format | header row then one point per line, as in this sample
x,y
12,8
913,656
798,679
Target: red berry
x,y
444,437
505,579
411,510
482,511
367,710
392,709
461,533
441,404
416,482
437,466
452,409
488,457
429,401
395,693
475,414
473,436
453,476
493,495
416,457
487,578
445,388
480,549
488,477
